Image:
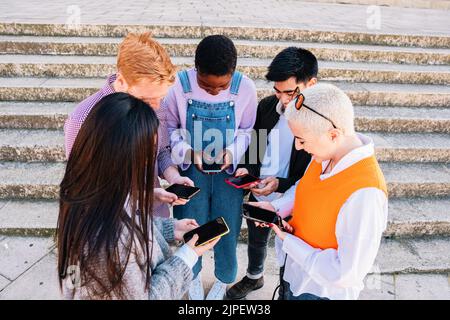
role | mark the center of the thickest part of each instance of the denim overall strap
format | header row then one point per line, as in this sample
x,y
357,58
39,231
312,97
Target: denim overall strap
x,y
236,83
184,79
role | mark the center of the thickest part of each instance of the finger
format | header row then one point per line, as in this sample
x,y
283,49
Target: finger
x,y
171,196
211,244
239,172
192,222
275,229
253,203
266,180
256,192
180,202
193,240
189,182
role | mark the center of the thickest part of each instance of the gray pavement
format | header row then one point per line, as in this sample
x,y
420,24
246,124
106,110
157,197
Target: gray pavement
x,y
268,13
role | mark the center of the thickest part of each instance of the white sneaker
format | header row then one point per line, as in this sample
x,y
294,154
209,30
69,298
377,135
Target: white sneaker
x,y
196,291
217,291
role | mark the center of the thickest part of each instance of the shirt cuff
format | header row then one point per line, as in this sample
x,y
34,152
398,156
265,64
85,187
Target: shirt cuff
x,y
188,255
168,229
294,246
281,207
178,155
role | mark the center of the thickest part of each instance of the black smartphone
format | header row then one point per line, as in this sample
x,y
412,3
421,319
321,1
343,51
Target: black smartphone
x,y
242,181
208,232
260,215
182,191
211,167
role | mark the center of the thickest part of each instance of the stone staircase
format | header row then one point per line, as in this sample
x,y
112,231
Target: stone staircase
x,y
399,84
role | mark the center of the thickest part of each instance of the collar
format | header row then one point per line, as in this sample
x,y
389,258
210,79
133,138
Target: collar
x,y
279,108
354,156
108,87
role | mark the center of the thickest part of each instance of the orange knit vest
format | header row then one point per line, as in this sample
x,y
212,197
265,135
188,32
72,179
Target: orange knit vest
x,y
317,202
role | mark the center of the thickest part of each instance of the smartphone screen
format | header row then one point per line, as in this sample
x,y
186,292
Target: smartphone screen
x,y
211,167
208,231
182,191
243,180
259,214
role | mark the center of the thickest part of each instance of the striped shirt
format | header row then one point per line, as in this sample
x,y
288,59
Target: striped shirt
x,y
79,115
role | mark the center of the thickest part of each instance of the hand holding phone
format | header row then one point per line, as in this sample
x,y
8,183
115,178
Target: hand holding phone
x,y
242,181
208,232
182,191
201,250
260,215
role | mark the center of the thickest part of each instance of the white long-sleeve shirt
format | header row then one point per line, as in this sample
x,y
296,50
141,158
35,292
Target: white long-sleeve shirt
x,y
337,274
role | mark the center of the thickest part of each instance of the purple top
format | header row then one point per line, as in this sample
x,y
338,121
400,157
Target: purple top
x,y
245,115
79,115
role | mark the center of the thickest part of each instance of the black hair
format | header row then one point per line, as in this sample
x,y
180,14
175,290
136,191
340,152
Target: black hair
x,y
111,165
216,55
293,62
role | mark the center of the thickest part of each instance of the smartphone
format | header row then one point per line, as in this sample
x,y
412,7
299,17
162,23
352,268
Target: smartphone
x,y
208,232
182,191
211,167
260,215
242,181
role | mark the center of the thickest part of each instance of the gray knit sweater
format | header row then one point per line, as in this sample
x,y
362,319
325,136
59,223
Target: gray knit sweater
x,y
170,275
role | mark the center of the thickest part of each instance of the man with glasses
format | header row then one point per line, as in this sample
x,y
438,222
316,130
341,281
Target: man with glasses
x,y
272,155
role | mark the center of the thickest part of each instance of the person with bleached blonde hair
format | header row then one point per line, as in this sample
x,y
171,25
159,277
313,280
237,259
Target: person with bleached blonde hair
x,y
338,208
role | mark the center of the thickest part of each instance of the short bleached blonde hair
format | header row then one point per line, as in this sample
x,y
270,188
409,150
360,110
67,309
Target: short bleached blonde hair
x,y
328,100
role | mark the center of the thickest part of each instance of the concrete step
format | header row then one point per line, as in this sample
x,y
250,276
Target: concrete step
x,y
247,33
41,180
406,269
438,5
48,145
412,217
182,47
77,89
401,119
101,66
52,115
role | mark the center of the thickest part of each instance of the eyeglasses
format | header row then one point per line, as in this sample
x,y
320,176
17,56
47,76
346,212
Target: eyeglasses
x,y
299,103
289,93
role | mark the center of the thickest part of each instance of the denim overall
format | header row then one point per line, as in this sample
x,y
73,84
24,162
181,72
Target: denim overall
x,y
216,198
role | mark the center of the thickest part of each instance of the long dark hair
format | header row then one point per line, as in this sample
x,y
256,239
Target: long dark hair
x,y
111,166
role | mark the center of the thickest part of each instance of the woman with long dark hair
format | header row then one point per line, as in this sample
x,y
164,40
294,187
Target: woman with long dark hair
x,y
109,244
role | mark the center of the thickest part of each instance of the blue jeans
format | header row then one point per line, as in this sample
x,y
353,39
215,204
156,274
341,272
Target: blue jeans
x,y
216,199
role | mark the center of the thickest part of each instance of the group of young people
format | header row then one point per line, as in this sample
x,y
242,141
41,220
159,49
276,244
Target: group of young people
x,y
115,232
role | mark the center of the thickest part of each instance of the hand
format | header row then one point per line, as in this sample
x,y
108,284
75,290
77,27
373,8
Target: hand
x,y
201,249
242,172
183,226
271,185
263,205
227,158
182,180
173,177
282,234
197,157
162,195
